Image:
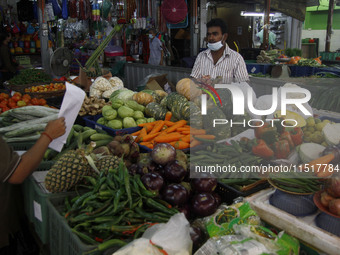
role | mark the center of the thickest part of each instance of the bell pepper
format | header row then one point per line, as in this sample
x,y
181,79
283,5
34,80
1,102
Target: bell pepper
x,y
267,133
262,150
297,136
286,136
281,149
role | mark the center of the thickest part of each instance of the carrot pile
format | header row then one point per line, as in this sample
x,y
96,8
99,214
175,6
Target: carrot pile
x,y
178,134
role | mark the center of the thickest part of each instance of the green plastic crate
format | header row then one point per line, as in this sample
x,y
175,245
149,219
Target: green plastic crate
x,y
35,202
62,240
329,55
21,146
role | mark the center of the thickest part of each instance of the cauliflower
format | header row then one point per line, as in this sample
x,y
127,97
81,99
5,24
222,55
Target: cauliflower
x,y
108,93
116,83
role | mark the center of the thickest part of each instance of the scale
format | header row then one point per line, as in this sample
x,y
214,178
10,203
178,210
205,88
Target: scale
x,y
60,61
281,70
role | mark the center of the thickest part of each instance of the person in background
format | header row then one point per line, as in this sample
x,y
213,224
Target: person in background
x,y
219,60
156,49
14,169
8,66
271,39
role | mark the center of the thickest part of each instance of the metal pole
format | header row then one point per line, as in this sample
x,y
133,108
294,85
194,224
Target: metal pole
x,y
43,34
329,25
265,43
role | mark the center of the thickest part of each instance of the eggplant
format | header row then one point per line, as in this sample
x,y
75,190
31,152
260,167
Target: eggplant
x,y
203,204
186,210
154,167
133,169
175,194
197,236
143,164
163,153
153,181
218,199
174,172
204,184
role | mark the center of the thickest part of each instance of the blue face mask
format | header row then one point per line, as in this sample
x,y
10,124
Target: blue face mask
x,y
150,36
215,46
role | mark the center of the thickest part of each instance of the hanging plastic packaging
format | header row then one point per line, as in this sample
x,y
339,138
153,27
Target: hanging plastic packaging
x,y
56,7
106,8
73,9
64,13
88,9
82,10
35,10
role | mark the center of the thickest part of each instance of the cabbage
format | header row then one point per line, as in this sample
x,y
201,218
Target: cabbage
x,y
110,114
125,111
129,122
331,132
138,115
141,121
115,124
310,151
123,94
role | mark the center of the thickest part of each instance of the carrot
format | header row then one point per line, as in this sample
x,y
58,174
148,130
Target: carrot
x,y
168,138
145,143
183,129
177,124
136,133
194,143
209,137
144,124
168,123
185,139
198,131
186,132
141,134
320,165
168,116
157,127
180,145
149,145
149,137
150,126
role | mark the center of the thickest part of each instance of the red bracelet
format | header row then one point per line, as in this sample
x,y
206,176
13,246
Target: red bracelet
x,y
44,133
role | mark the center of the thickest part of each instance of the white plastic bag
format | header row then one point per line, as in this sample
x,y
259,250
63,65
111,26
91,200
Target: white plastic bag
x,y
173,237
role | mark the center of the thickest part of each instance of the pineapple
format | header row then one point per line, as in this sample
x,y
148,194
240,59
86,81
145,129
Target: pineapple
x,y
107,162
67,171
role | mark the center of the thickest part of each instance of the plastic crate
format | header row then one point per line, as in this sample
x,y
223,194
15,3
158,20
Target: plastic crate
x,y
61,238
258,68
35,204
301,71
229,193
91,121
329,55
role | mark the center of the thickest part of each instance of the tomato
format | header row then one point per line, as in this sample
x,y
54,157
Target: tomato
x,y
35,101
21,103
3,96
26,96
5,108
16,97
42,101
17,93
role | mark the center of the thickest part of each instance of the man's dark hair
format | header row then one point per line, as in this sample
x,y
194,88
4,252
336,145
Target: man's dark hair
x,y
218,23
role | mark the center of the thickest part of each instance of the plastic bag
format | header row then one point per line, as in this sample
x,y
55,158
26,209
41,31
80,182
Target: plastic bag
x,y
64,10
56,7
172,237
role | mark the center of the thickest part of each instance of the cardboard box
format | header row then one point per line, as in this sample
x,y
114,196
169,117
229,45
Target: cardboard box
x,y
160,83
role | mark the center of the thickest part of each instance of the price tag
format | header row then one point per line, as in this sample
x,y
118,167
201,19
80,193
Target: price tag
x,y
37,210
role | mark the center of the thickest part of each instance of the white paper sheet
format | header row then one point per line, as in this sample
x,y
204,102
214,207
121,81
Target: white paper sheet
x,y
72,102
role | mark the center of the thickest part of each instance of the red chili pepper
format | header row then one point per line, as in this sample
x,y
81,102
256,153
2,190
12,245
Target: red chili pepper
x,y
297,136
100,240
262,150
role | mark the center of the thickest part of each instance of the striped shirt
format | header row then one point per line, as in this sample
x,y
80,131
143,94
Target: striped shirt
x,y
231,66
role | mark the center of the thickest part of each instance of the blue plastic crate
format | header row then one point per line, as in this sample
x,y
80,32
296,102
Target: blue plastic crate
x,y
301,71
91,121
254,68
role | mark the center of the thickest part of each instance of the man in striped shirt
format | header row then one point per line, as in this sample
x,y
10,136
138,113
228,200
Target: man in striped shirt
x,y
219,60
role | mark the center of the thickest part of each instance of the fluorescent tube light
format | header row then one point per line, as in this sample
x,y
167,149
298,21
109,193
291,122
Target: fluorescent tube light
x,y
254,14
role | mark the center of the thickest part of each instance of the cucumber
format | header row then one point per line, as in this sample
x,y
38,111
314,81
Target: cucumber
x,y
69,137
25,130
78,127
29,123
96,137
35,110
23,116
22,138
102,142
84,135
